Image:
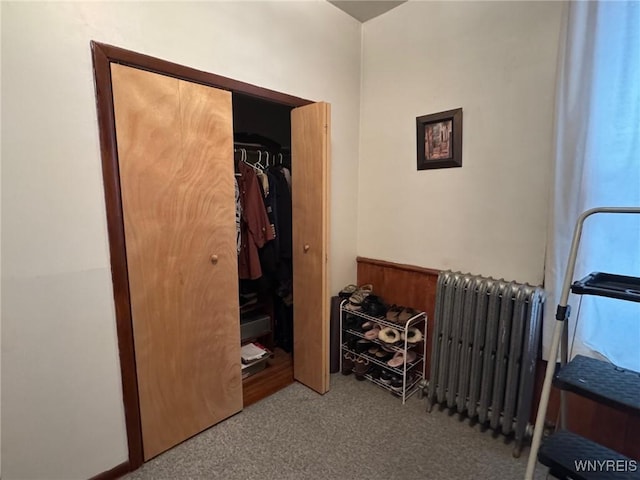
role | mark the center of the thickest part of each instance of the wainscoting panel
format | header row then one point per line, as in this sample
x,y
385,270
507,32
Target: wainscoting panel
x,y
403,285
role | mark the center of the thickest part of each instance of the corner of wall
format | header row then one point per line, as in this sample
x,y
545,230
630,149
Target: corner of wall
x,y
360,141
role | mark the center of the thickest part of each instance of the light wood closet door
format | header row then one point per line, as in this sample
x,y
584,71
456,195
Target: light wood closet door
x,y
175,150
310,149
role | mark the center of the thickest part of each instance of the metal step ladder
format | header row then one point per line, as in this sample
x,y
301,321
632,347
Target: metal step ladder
x,y
567,455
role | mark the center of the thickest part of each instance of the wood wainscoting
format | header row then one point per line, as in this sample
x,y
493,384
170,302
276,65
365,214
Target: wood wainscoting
x,y
416,287
403,285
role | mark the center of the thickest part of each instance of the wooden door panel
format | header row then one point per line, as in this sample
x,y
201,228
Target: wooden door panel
x,y
310,130
175,147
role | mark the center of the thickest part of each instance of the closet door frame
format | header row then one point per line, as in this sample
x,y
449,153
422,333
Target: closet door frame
x,y
103,55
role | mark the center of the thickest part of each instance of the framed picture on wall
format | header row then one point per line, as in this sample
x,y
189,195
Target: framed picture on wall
x,y
439,138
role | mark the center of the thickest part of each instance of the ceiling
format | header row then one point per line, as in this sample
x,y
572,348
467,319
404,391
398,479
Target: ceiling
x,y
364,10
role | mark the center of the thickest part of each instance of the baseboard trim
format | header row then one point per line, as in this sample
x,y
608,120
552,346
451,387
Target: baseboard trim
x,y
115,473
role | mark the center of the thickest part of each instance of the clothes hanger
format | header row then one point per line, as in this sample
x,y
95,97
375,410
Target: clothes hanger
x,y
235,162
259,162
245,159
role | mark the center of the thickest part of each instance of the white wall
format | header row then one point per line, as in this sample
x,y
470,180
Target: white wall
x,y
496,60
62,414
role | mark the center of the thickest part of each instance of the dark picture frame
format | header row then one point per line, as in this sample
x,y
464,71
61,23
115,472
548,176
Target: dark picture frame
x,y
439,140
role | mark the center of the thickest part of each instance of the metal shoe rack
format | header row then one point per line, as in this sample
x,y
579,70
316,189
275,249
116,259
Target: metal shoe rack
x,y
411,373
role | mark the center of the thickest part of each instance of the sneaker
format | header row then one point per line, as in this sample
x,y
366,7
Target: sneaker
x,y
396,383
385,377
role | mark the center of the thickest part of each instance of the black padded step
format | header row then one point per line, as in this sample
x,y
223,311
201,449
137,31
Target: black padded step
x,y
570,456
608,285
602,382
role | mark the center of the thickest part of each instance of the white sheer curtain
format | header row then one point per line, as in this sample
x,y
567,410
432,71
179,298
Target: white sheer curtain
x,y
597,163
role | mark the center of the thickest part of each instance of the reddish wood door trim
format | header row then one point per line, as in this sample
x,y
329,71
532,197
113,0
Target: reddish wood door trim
x,y
103,55
116,472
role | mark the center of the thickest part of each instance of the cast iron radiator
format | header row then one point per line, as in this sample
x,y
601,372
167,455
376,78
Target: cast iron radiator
x,y
484,351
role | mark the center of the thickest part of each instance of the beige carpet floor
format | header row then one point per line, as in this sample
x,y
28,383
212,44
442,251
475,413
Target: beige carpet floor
x,y
356,431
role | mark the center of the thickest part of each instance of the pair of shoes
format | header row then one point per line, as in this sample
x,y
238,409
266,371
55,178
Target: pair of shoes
x,y
351,322
400,358
368,325
406,314
357,297
377,352
347,363
399,314
361,367
414,335
396,383
347,291
373,333
389,335
393,312
362,345
373,306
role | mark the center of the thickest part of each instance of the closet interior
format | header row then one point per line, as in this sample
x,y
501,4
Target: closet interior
x,y
262,163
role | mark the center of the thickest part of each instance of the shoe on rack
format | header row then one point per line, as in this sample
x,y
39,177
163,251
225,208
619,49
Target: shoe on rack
x,y
347,363
363,345
373,306
373,333
347,291
361,367
414,335
368,325
351,322
383,355
389,335
400,358
393,312
406,314
356,299
396,383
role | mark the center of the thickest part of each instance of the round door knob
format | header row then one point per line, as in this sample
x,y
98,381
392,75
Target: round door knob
x,y
306,247
214,259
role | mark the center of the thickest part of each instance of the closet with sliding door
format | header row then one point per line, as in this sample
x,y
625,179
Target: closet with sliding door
x,y
178,146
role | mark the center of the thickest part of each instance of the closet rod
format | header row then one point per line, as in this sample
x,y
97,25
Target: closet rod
x,y
258,146
258,155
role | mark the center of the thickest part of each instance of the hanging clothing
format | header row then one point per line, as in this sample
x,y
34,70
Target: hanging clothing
x,y
269,254
264,182
238,216
284,210
255,227
270,203
287,176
